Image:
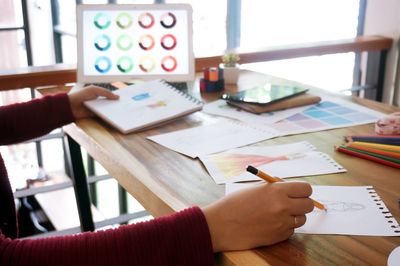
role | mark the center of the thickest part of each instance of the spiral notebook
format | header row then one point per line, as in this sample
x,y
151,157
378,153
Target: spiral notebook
x,y
283,161
351,210
144,105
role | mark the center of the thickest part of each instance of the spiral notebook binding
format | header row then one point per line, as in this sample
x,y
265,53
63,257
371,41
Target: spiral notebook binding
x,y
384,210
184,94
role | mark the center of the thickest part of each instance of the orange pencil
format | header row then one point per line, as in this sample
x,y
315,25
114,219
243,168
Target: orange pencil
x,y
374,150
271,179
385,147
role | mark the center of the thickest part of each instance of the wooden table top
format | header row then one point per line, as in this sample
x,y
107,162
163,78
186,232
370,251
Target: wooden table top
x,y
164,181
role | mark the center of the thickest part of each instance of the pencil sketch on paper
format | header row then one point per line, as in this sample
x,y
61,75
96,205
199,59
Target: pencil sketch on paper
x,y
341,206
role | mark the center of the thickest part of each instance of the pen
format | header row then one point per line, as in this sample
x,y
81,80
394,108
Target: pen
x,y
271,179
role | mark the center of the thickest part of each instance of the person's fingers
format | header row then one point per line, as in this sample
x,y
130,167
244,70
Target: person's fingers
x,y
288,233
299,221
99,91
300,206
296,189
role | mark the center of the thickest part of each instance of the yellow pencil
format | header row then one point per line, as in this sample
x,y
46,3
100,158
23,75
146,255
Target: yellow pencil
x,y
392,154
386,147
271,179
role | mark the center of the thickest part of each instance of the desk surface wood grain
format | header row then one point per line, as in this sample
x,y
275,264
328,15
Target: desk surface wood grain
x,y
164,181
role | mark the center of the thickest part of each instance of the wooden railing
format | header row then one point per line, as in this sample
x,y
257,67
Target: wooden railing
x,y
63,73
358,44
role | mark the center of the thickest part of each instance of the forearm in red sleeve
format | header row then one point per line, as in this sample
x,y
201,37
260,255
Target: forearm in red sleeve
x,y
179,239
24,121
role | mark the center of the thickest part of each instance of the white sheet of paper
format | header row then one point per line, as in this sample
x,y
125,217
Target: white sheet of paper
x,y
221,108
223,135
208,139
285,160
394,257
351,210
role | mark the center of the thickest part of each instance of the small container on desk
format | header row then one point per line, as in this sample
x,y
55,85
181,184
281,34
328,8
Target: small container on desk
x,y
212,80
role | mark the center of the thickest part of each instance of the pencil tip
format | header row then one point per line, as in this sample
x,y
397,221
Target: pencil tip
x,y
252,169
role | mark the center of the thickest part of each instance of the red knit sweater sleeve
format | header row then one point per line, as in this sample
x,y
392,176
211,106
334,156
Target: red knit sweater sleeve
x,y
24,121
179,239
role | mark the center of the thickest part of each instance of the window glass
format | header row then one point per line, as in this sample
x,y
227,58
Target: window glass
x,y
135,2
269,23
69,51
11,14
273,23
12,42
209,26
67,14
94,2
12,49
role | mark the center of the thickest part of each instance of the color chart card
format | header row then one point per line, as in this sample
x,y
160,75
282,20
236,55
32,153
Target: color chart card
x,y
135,42
328,114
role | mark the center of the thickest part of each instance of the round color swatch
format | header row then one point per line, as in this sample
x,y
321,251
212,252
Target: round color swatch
x,y
146,42
102,21
168,20
168,41
146,20
102,42
169,63
124,42
102,64
124,64
124,20
147,64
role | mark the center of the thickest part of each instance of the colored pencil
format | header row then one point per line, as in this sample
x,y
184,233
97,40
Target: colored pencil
x,y
375,155
271,179
367,157
391,154
385,147
392,139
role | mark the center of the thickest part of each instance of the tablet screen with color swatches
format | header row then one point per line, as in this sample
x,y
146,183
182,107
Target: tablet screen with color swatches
x,y
135,41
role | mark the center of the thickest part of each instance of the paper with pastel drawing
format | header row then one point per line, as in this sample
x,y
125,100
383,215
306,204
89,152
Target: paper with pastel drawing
x,y
285,160
351,210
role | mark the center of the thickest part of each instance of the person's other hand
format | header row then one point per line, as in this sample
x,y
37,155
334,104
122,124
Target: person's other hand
x,y
258,216
91,92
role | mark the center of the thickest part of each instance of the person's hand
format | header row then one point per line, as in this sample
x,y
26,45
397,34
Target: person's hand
x,y
91,92
258,216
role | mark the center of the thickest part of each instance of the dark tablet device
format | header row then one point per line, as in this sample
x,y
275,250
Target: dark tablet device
x,y
264,95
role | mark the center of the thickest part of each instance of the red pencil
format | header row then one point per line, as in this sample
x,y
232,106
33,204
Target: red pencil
x,y
367,157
